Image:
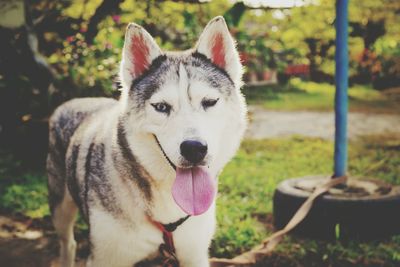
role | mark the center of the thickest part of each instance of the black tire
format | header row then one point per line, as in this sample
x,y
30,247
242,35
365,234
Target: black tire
x,y
362,218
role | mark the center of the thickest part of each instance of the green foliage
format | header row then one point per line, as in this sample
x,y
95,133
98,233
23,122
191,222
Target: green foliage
x,y
267,39
387,64
93,68
307,33
21,191
337,231
28,196
90,66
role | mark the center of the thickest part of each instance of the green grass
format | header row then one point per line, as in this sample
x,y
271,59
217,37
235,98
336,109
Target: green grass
x,y
245,197
22,191
248,182
301,95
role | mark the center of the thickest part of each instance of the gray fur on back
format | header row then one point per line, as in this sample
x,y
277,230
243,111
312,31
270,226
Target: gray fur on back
x,y
62,125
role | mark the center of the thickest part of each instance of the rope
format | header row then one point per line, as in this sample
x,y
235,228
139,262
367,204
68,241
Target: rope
x,y
251,257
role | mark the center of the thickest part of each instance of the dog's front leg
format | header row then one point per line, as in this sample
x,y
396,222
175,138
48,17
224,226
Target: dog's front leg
x,y
198,260
193,238
194,254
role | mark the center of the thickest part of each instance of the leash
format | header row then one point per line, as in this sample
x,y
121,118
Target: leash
x,y
252,256
167,249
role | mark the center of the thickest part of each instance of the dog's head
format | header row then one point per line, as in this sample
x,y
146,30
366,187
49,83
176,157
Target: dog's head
x,y
190,101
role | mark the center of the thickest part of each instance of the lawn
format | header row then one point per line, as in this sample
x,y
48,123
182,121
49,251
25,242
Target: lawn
x,y
245,198
302,95
248,182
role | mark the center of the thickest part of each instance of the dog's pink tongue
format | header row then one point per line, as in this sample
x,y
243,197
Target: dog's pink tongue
x,y
193,190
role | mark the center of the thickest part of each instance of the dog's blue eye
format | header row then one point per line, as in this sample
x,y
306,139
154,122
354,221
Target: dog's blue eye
x,y
206,103
162,107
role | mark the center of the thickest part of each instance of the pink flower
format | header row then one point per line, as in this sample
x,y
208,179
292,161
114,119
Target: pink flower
x,y
116,18
83,29
70,39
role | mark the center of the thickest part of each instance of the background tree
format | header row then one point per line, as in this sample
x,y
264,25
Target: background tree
x,y
61,49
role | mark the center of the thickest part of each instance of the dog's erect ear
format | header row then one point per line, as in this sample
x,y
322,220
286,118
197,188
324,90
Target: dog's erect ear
x,y
217,44
139,51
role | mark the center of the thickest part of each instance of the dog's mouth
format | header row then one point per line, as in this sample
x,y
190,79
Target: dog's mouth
x,y
194,189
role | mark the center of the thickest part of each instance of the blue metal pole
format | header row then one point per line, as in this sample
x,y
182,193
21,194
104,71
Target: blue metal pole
x,y
341,79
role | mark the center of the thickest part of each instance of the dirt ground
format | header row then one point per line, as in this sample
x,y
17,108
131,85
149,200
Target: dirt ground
x,y
32,243
271,124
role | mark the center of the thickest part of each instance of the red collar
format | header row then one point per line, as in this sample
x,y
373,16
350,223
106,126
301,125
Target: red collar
x,y
167,249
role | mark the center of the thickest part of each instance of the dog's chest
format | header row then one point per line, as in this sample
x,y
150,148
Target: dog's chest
x,y
140,243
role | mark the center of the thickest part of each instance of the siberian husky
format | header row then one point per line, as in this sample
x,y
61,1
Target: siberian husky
x,y
141,166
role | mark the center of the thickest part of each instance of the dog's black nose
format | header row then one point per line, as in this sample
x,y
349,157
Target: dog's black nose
x,y
193,151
